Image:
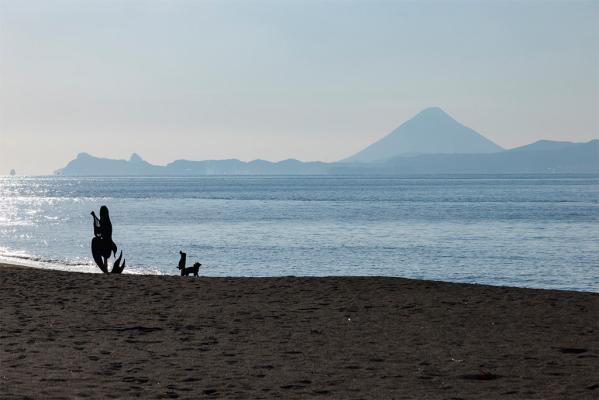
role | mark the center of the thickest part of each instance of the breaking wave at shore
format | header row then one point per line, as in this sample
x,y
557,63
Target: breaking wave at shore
x,y
85,266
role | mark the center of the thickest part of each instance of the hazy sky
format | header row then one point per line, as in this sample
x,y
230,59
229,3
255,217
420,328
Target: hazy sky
x,y
313,80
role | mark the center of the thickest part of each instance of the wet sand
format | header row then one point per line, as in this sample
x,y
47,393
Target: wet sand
x,y
68,335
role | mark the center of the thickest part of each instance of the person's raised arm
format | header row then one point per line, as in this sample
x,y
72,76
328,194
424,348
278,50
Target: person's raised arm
x,y
97,231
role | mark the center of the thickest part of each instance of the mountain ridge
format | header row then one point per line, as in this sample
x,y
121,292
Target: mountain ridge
x,y
442,145
529,159
566,157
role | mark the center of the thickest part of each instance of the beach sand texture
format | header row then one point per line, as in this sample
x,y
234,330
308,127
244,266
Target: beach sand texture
x,y
69,335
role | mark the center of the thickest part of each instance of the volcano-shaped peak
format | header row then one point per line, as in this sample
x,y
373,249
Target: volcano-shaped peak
x,y
135,158
433,111
431,131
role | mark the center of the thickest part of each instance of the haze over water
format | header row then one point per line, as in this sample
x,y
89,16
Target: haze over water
x,y
525,231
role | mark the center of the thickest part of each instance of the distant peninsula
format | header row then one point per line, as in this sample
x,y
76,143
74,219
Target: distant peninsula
x,y
87,165
432,142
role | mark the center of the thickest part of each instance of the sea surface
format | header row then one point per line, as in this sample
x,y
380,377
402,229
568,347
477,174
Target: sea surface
x,y
529,231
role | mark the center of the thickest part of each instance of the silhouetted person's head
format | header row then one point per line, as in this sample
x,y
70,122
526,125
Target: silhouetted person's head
x,y
104,213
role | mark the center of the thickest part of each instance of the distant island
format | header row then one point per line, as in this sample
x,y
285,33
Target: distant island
x,y
432,142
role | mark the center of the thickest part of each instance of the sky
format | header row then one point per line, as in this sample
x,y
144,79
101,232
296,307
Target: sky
x,y
311,80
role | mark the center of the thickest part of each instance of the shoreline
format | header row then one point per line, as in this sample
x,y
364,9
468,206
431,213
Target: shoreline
x,y
68,335
94,270
75,268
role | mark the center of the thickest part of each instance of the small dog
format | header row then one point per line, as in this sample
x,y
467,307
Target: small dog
x,y
186,271
191,270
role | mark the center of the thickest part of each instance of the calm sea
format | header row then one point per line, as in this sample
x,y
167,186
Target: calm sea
x,y
531,231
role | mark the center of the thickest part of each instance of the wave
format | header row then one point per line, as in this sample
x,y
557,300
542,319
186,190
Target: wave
x,y
21,258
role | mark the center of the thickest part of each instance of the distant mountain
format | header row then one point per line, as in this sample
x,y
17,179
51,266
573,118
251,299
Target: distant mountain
x,y
431,131
87,165
430,143
543,157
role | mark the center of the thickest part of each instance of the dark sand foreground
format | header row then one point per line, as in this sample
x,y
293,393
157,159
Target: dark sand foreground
x,y
70,335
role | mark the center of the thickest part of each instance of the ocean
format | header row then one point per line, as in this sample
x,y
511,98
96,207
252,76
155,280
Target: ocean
x,y
517,230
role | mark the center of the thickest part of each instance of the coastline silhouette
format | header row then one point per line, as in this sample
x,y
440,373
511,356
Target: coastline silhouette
x,y
102,245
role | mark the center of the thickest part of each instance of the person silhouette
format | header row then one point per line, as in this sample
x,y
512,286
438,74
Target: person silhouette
x,y
102,244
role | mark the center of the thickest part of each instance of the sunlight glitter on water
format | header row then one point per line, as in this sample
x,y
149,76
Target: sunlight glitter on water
x,y
84,266
532,231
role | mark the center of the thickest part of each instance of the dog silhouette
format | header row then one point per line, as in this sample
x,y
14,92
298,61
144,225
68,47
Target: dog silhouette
x,y
191,270
186,271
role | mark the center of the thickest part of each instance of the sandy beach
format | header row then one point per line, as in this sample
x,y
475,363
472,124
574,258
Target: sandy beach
x,y
69,335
